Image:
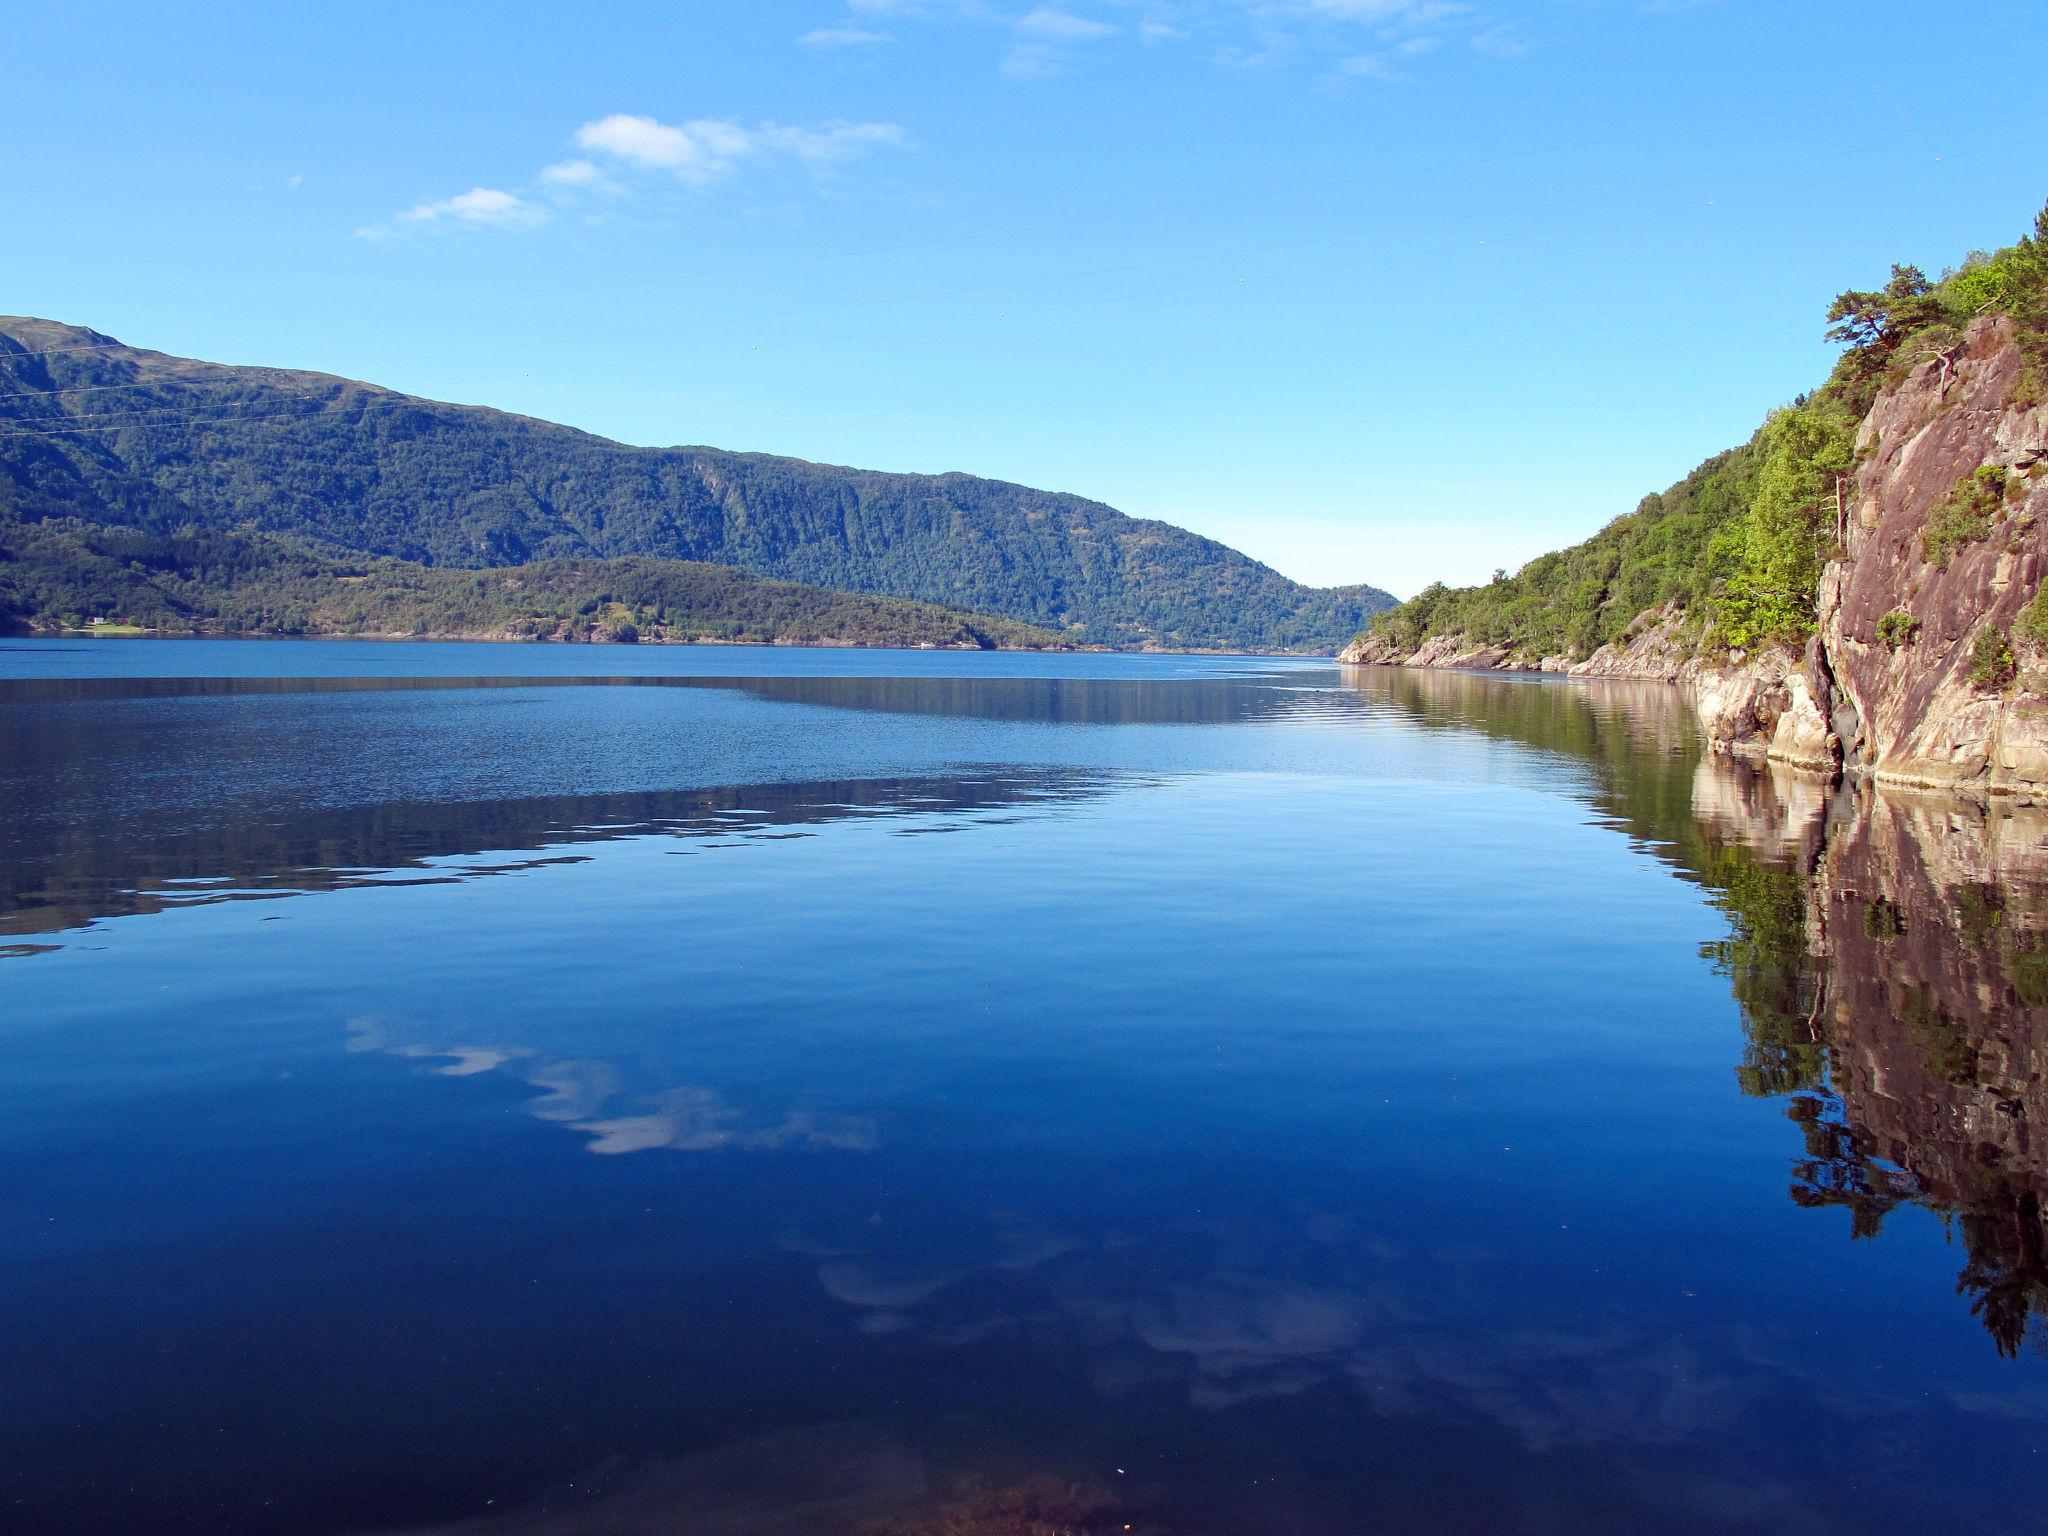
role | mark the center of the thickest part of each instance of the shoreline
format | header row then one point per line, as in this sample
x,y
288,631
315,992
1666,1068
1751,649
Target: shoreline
x,y
471,638
1797,739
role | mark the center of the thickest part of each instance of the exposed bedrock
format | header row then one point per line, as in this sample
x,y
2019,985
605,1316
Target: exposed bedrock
x,y
1898,682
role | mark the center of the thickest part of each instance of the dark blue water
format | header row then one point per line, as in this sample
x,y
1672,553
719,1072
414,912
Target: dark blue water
x,y
549,1089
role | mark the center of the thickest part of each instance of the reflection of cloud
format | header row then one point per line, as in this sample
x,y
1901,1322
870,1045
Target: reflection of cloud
x,y
1228,1329
699,1120
472,1059
571,1090
1558,1387
576,1092
866,1283
1230,1317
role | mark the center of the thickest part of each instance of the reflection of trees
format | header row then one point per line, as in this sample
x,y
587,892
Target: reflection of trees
x,y
2007,1276
1841,1166
1769,969
1889,956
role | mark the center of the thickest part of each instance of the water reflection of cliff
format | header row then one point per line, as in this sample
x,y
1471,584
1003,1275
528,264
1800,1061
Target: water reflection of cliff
x,y
1889,955
1934,924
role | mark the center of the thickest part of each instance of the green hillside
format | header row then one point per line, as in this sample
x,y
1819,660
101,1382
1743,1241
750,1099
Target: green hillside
x,y
1739,543
68,574
103,433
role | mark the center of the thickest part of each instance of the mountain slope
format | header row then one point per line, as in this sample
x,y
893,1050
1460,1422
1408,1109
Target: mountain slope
x,y
62,573
1732,556
102,432
1862,588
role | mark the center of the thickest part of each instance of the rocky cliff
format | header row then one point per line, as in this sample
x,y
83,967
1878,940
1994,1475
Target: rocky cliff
x,y
1921,670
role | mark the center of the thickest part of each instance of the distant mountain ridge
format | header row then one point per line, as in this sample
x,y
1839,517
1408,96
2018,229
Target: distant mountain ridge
x,y
103,433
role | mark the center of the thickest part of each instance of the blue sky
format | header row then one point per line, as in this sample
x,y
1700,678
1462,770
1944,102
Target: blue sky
x,y
1386,290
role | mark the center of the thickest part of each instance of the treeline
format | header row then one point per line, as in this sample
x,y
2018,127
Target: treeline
x,y
68,574
1739,543
105,433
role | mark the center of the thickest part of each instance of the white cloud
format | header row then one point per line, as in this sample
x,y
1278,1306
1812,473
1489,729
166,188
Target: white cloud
x,y
844,37
1033,61
572,173
1056,25
1372,12
696,152
833,144
971,8
486,207
1500,43
704,149
623,149
1046,40
1366,66
1360,37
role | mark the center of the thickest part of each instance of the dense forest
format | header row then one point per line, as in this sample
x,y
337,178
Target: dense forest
x,y
66,573
1738,544
100,433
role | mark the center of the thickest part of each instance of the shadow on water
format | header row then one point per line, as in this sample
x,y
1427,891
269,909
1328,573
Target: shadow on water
x,y
1889,954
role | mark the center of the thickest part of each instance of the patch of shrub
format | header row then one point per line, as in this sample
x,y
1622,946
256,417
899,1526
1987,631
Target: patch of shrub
x,y
1992,663
2034,618
1898,628
1964,515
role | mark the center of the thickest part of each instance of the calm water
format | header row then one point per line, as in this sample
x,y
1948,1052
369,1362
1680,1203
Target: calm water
x,y
442,1089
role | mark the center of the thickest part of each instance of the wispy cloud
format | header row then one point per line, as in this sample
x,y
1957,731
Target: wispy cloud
x,y
623,150
1353,39
844,37
1048,38
489,207
572,173
1500,43
696,152
1056,25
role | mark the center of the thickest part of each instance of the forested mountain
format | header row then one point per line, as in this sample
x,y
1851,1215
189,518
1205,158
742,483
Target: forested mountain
x,y
63,573
104,434
1736,549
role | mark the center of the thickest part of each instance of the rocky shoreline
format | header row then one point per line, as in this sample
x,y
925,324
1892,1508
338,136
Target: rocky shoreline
x,y
1890,687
